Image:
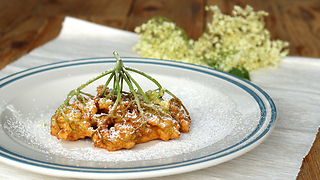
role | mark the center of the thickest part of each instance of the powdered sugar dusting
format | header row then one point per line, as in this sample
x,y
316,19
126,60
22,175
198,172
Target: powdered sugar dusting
x,y
214,116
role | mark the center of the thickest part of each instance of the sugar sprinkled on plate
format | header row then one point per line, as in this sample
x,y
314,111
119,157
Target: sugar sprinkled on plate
x,y
214,116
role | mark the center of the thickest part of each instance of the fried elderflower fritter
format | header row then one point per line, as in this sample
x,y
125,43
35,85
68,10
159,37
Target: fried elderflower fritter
x,y
115,119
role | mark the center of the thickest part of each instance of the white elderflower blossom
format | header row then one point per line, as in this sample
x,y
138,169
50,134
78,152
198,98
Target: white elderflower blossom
x,y
243,41
161,39
239,41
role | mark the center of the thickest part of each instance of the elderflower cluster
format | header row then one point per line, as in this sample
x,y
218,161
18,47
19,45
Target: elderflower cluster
x,y
161,39
239,41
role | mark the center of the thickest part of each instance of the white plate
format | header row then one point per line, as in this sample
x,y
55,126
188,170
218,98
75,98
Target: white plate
x,y
230,117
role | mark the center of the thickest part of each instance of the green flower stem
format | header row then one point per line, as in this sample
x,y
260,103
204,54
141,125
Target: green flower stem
x,y
117,85
118,74
138,86
106,85
94,79
78,90
133,92
145,75
87,94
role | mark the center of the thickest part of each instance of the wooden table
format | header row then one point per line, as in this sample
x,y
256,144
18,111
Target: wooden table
x,y
25,25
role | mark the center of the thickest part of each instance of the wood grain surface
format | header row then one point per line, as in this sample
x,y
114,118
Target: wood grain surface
x,y
25,25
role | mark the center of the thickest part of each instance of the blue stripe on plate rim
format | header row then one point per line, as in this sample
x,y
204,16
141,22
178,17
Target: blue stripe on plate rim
x,y
206,70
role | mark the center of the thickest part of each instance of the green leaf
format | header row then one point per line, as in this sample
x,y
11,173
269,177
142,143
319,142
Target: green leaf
x,y
240,72
246,74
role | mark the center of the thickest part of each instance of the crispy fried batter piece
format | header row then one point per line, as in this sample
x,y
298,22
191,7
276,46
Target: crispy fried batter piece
x,y
127,126
74,121
115,119
178,113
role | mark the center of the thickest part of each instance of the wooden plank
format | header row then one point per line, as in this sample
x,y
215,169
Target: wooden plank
x,y
310,168
105,13
301,21
20,39
25,26
51,31
187,14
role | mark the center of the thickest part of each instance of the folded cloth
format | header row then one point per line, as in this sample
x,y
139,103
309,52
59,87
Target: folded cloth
x,y
294,87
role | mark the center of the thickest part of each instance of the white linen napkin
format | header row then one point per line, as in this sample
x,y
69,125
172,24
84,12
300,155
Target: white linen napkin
x,y
294,87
